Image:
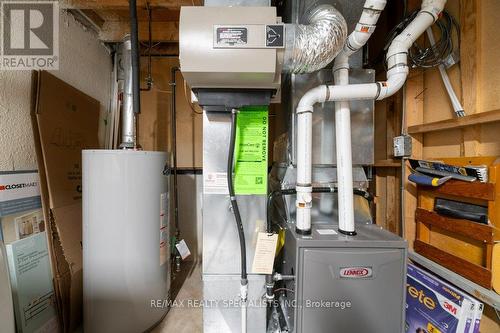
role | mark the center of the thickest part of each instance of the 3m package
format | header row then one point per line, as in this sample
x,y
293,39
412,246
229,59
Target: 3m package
x,y
435,306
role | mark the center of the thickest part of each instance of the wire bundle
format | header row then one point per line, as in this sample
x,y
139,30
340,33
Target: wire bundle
x,y
429,56
437,54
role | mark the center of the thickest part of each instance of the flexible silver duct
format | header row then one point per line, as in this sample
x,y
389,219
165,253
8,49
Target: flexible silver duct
x,y
312,46
127,109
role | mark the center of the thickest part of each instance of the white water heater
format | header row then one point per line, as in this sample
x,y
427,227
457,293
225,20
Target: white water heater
x,y
126,251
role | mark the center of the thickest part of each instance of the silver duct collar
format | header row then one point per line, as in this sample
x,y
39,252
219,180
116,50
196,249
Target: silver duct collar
x,y
313,46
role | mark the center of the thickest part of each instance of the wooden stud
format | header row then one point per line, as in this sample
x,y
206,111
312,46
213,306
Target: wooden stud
x,y
414,116
470,62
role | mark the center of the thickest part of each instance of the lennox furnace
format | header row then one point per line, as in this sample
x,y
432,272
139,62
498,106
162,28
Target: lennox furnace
x,y
238,60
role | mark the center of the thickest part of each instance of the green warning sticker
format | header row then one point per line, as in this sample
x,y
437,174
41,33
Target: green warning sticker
x,y
250,170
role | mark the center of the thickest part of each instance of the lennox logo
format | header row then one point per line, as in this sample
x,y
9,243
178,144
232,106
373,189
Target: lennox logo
x,y
356,272
30,35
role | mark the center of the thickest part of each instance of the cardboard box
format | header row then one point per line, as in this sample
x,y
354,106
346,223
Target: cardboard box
x,y
65,121
32,287
436,306
22,229
476,307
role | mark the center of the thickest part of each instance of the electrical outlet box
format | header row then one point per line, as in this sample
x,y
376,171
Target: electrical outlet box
x,y
402,146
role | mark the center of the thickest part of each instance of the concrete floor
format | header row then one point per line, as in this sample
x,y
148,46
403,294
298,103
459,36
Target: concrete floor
x,y
186,286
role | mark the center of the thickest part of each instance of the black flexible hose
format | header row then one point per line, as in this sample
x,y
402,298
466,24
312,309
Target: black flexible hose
x,y
232,197
291,191
134,41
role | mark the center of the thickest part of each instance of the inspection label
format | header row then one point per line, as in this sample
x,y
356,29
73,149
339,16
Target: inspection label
x,y
231,36
250,171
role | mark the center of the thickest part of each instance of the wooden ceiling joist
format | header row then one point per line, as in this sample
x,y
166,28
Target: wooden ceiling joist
x,y
111,17
123,4
114,31
157,14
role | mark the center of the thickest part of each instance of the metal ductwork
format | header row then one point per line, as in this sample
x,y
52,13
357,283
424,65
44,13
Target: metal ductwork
x,y
131,89
127,114
312,46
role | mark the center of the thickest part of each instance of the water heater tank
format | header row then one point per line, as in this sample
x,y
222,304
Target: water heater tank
x,y
125,240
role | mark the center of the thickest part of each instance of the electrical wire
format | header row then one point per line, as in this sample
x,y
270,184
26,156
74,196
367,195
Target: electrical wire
x,y
188,101
290,191
435,55
426,56
149,78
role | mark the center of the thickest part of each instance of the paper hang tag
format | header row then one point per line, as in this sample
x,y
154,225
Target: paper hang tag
x,y
183,249
265,251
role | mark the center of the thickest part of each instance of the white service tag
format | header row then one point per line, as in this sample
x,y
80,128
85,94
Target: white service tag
x,y
183,249
264,253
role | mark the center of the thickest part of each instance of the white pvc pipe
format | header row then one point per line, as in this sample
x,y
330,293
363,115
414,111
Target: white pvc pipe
x,y
344,167
244,317
243,297
396,77
356,40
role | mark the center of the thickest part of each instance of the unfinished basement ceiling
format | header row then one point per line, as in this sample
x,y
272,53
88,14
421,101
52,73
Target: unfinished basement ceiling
x,y
110,17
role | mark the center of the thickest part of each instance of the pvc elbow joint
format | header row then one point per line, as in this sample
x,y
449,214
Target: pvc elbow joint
x,y
313,96
396,78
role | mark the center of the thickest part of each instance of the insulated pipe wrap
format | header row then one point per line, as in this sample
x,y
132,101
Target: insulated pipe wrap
x,y
313,46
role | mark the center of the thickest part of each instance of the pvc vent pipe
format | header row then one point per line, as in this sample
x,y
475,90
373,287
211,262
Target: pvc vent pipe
x,y
314,45
396,76
356,40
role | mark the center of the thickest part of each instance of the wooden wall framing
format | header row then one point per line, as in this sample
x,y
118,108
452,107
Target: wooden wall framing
x,y
430,120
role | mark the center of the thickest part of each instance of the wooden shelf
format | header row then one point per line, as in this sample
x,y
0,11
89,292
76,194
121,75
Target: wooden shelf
x,y
474,119
468,248
472,190
479,274
474,230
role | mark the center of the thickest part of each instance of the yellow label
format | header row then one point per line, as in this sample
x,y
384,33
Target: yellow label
x,y
281,240
432,329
